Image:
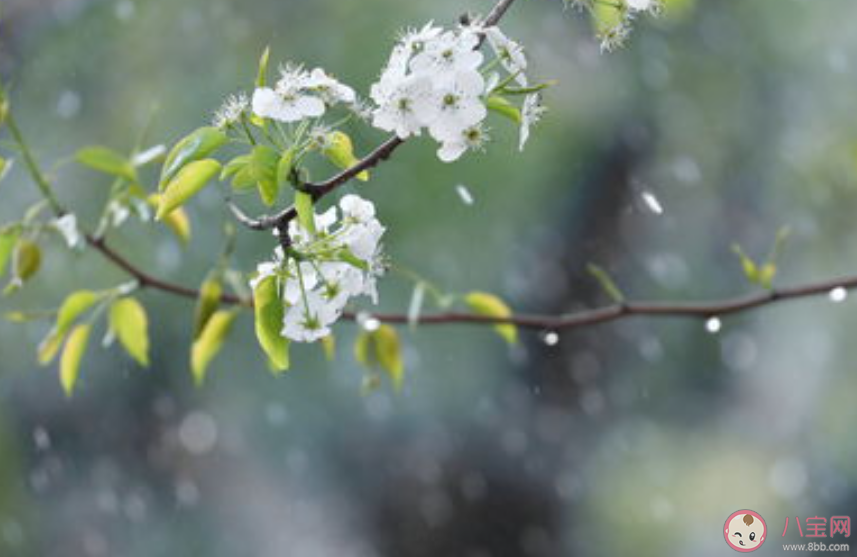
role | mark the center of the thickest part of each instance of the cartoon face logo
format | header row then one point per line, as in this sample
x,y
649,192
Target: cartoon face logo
x,y
745,531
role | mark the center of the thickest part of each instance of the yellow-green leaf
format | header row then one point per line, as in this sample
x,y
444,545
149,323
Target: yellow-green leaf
x,y
4,166
209,343
108,161
339,149
504,108
129,322
75,305
195,146
263,167
751,270
26,262
490,305
177,221
284,167
187,183
208,302
72,354
262,75
8,240
767,272
328,344
303,206
381,348
269,310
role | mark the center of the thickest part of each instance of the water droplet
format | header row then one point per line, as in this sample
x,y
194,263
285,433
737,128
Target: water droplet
x,y
551,338
838,294
367,322
464,194
713,325
68,104
652,203
41,439
198,433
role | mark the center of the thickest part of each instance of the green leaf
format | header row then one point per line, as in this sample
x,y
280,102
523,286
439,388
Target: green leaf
x,y
177,221
208,302
75,305
26,262
381,348
187,183
129,322
606,282
339,150
262,74
504,108
767,272
303,206
209,343
269,310
108,161
4,166
233,166
194,146
8,240
263,168
284,167
72,354
490,305
751,270
328,344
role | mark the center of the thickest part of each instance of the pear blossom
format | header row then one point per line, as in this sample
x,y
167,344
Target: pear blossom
x,y
510,53
458,104
531,113
66,225
451,51
299,94
339,260
404,106
231,111
471,138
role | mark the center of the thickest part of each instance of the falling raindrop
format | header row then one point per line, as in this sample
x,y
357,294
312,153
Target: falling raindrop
x,y
367,322
198,433
652,203
838,295
41,439
464,194
713,325
551,338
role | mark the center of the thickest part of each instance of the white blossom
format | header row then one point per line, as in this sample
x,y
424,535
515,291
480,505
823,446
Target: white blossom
x,y
340,260
510,53
66,225
471,138
404,106
231,111
449,52
531,113
458,104
299,94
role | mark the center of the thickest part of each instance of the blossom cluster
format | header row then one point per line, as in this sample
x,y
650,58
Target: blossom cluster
x,y
301,94
435,80
326,267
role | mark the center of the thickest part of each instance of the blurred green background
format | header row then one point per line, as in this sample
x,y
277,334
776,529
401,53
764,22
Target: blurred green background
x,y
639,437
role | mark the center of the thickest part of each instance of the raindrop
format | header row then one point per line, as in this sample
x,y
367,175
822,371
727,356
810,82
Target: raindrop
x,y
713,325
838,294
41,439
367,322
124,10
68,104
464,194
652,203
198,433
550,338
187,493
788,477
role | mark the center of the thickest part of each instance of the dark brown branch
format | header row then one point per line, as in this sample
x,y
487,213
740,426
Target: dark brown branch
x,y
589,317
